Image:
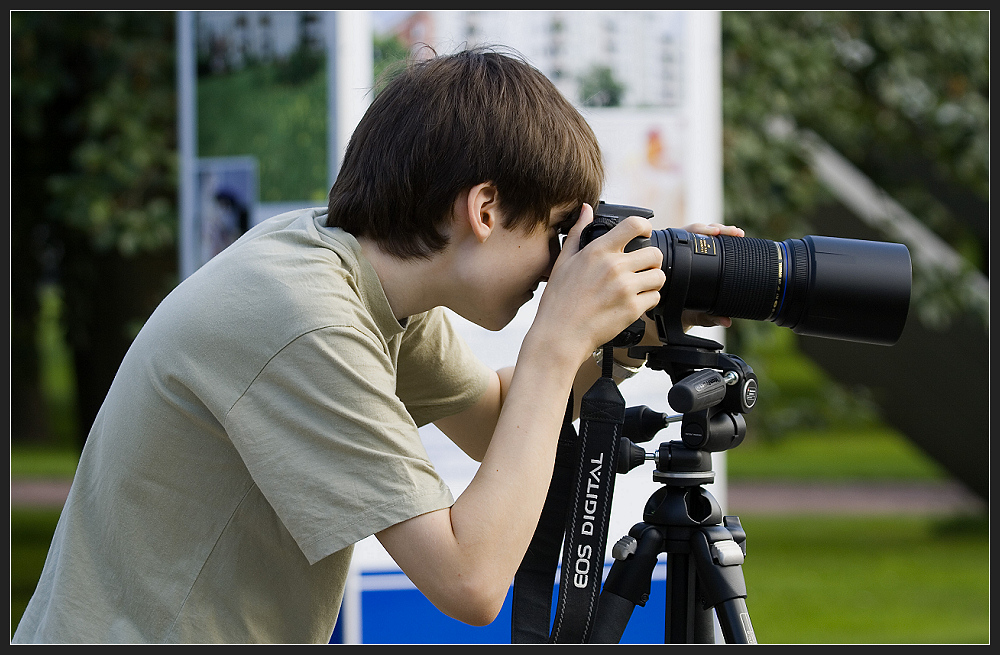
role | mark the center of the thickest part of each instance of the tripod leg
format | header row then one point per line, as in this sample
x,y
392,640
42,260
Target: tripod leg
x,y
628,583
718,560
735,621
686,619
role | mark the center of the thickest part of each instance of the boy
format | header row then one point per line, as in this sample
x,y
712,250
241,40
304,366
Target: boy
x,y
265,418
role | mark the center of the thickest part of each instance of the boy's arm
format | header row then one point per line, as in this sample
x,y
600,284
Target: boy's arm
x,y
473,428
463,558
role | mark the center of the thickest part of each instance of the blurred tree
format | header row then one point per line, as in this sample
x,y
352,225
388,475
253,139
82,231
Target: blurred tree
x,y
599,88
905,97
93,190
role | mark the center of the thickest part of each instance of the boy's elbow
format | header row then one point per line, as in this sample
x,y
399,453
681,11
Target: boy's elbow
x,y
476,604
478,614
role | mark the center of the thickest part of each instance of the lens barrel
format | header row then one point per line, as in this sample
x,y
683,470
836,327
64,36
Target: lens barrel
x,y
829,287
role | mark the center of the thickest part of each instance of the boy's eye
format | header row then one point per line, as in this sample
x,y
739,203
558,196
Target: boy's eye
x,y
567,224
571,218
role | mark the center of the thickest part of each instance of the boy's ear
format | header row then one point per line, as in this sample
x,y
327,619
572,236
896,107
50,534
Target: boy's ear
x,y
482,210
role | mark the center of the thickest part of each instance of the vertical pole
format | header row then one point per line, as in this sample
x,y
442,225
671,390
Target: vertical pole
x,y
349,71
349,52
702,89
333,145
187,143
702,80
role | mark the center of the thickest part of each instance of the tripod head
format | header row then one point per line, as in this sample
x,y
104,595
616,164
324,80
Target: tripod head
x,y
712,390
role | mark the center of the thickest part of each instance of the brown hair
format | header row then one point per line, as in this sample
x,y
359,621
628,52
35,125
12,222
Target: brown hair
x,y
446,124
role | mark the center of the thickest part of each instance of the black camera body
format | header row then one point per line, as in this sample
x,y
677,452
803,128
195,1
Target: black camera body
x,y
829,287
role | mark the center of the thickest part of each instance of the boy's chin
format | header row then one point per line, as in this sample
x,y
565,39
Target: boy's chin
x,y
497,324
494,323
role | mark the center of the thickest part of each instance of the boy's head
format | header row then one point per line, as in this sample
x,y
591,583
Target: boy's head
x,y
446,124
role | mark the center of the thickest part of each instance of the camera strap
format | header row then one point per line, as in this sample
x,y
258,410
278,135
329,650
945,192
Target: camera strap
x,y
531,603
576,514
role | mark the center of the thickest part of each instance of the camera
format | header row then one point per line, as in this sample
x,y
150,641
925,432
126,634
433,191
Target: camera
x,y
830,287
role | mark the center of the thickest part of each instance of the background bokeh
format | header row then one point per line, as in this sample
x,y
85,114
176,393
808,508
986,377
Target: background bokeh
x,y
902,96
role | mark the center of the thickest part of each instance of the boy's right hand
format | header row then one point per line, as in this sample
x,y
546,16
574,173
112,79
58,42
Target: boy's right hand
x,y
595,292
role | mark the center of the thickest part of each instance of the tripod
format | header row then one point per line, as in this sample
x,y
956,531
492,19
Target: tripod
x,y
704,559
705,551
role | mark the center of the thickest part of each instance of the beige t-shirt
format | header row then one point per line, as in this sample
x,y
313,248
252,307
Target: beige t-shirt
x,y
263,421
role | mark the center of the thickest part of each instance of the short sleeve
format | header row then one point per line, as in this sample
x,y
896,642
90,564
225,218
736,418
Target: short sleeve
x,y
330,445
438,374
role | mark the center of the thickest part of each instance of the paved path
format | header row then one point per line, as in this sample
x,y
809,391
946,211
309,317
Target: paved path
x,y
946,497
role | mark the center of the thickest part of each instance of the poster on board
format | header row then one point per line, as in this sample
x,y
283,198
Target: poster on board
x,y
645,160
227,197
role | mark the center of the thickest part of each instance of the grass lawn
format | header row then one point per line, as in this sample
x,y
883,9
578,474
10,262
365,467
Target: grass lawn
x,y
855,580
863,453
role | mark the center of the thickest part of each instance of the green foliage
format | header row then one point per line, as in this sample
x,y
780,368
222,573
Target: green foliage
x,y
93,190
57,383
871,83
903,95
283,125
301,66
121,188
599,88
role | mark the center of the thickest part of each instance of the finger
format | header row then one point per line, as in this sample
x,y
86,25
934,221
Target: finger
x,y
730,230
651,279
572,241
699,228
714,229
645,258
628,229
691,319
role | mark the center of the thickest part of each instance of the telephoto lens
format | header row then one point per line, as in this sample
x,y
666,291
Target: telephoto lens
x,y
821,286
830,287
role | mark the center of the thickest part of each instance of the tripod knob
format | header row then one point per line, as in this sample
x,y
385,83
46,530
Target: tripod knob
x,y
629,455
625,547
642,423
697,391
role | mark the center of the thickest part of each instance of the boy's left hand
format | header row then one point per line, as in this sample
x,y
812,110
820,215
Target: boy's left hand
x,y
691,318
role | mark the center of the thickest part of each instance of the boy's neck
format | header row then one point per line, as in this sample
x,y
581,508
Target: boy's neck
x,y
412,286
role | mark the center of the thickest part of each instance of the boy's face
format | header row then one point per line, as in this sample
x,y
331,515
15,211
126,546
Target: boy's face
x,y
511,266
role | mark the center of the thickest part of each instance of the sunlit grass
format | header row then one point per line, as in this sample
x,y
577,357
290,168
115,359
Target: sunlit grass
x,y
875,453
855,580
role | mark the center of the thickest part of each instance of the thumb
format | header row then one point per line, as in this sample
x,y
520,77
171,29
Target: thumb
x,y
572,242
